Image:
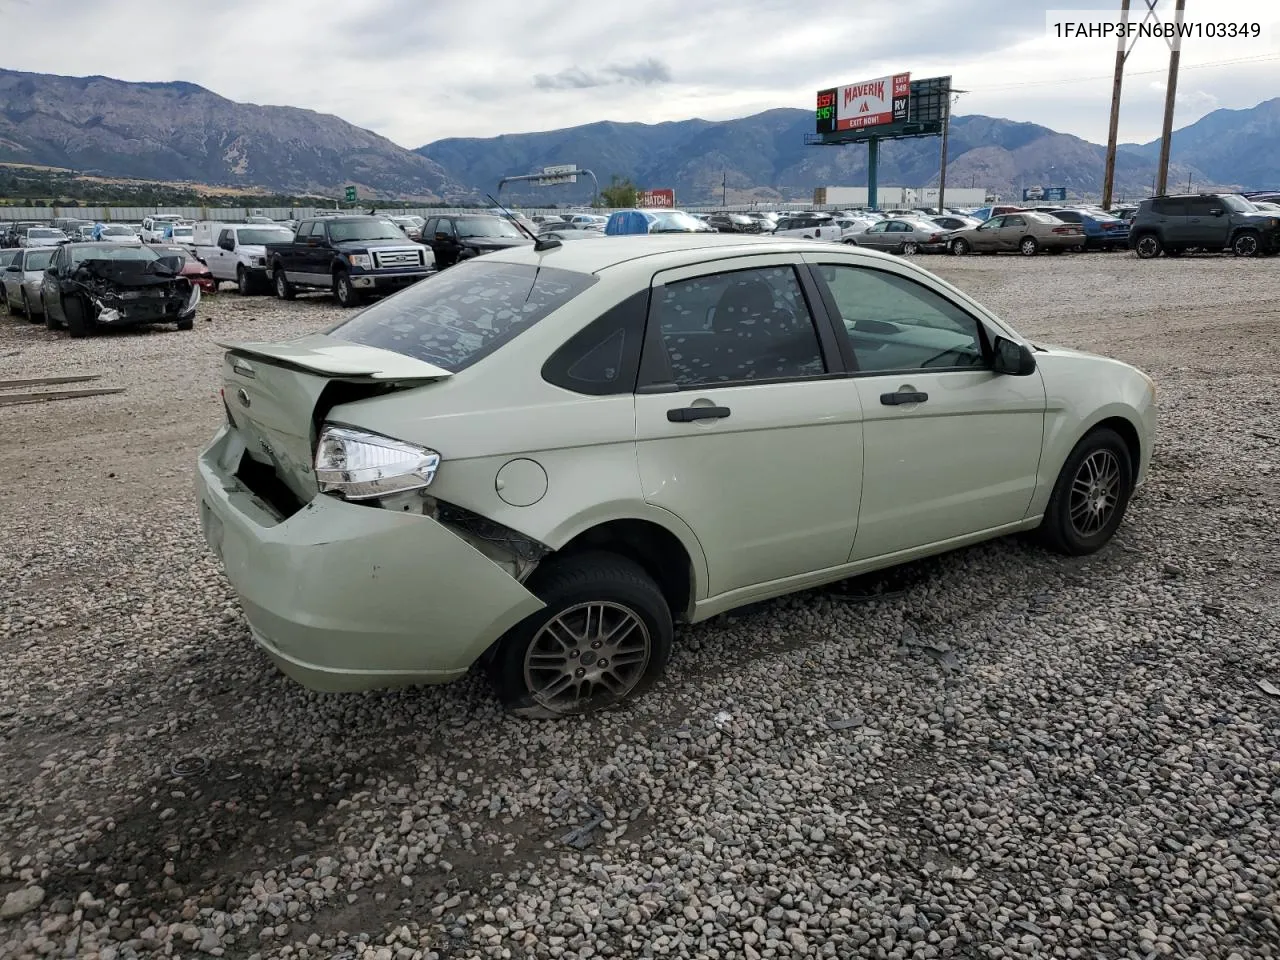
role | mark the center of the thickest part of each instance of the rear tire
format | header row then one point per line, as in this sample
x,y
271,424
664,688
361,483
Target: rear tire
x,y
187,324
1148,246
284,289
1090,496
544,665
910,249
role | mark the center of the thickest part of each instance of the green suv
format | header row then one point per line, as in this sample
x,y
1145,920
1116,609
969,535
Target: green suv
x,y
1205,221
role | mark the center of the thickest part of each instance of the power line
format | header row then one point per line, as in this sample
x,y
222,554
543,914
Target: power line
x,y
1262,58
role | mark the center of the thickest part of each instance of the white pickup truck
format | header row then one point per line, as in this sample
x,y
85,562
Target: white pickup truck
x,y
237,251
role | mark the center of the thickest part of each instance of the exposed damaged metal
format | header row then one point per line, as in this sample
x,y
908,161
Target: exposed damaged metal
x,y
129,291
510,549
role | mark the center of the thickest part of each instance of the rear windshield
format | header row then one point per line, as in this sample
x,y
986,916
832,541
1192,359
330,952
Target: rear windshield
x,y
462,315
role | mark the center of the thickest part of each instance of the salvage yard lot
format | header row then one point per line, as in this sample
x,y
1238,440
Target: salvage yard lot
x,y
1016,751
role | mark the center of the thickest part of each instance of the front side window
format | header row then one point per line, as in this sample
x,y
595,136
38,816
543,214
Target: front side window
x,y
894,323
738,327
460,316
1202,206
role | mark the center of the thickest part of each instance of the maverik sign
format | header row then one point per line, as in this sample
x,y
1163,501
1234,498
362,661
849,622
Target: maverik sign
x,y
870,103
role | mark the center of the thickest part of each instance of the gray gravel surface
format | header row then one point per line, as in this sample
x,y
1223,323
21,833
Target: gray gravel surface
x,y
1016,755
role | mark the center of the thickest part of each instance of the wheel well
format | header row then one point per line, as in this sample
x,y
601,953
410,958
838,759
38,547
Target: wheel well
x,y
1027,236
654,548
1129,434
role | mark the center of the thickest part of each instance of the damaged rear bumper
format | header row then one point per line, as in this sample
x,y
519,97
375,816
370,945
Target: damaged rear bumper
x,y
346,597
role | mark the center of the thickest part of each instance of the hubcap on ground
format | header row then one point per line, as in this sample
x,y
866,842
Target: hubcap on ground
x,y
1095,492
590,652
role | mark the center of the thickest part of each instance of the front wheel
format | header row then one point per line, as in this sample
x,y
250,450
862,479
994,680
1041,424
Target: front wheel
x,y
1090,496
1246,244
959,247
243,283
345,293
1148,246
1028,247
604,635
284,289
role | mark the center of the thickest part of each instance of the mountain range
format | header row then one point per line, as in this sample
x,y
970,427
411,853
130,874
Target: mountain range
x,y
181,131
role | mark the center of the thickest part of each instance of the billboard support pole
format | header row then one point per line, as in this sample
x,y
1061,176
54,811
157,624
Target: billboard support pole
x,y
1109,172
873,171
1171,92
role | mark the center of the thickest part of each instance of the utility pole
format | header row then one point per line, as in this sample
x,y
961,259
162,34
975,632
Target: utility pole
x,y
946,128
724,188
1108,177
1171,91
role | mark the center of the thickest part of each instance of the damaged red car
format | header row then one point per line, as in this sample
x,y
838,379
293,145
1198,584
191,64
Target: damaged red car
x,y
193,267
89,286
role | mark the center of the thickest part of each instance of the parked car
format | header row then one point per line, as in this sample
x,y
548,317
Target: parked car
x,y
459,237
1124,212
1028,233
22,276
1266,206
1101,230
508,470
983,214
587,221
956,222
177,233
411,224
114,233
153,226
902,235
93,285
42,237
568,234
193,268
542,219
238,251
13,238
810,226
353,256
1210,221
732,223
652,221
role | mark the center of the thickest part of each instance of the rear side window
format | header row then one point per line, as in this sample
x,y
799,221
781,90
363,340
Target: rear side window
x,y
462,315
1169,208
604,357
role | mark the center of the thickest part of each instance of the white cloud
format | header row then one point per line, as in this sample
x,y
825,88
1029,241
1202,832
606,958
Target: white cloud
x,y
420,70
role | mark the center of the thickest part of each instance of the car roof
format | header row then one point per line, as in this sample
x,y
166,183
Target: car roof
x,y
601,253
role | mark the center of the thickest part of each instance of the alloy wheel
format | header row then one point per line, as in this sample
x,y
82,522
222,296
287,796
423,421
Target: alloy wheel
x,y
1148,246
1095,493
594,651
1246,245
910,249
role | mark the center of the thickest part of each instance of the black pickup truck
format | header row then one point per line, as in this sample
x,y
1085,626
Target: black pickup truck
x,y
353,256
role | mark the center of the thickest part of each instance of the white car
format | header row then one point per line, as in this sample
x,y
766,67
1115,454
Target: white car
x,y
237,251
117,233
539,459
43,237
810,226
21,279
153,227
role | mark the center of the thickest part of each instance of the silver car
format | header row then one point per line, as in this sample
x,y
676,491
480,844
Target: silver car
x,y
903,235
22,279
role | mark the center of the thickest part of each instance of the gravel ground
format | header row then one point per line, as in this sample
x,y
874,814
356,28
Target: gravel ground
x,y
1008,754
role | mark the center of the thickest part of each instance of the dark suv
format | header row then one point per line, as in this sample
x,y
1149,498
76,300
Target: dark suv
x,y
1209,221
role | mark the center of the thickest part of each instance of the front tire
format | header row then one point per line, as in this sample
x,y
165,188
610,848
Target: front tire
x,y
78,324
960,247
604,635
1028,246
1247,243
1148,246
343,291
284,289
1090,496
244,286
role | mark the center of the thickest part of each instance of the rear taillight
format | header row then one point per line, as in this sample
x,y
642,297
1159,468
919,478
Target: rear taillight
x,y
937,237
1064,230
360,466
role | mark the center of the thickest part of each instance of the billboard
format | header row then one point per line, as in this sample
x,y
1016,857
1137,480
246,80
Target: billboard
x,y
1044,193
659,197
560,173
868,103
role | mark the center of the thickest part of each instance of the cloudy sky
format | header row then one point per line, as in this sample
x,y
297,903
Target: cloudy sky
x,y
420,70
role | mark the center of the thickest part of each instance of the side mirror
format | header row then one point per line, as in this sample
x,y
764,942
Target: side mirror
x,y
1013,359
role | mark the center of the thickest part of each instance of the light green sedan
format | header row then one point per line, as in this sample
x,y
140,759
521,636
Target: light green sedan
x,y
542,458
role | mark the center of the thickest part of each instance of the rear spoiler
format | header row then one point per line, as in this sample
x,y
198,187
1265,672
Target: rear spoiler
x,y
331,357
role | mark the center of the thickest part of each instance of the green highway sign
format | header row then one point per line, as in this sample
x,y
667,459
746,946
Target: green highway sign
x,y
351,194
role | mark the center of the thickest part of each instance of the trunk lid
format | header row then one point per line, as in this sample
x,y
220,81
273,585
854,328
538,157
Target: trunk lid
x,y
277,395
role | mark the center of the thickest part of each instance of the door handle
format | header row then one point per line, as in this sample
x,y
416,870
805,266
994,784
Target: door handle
x,y
690,414
901,397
